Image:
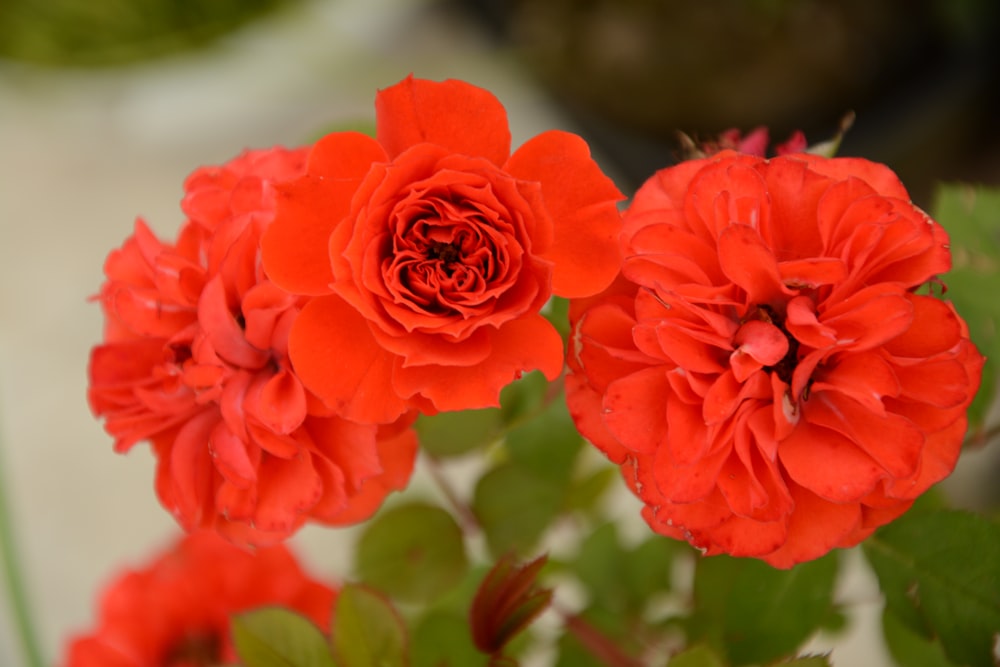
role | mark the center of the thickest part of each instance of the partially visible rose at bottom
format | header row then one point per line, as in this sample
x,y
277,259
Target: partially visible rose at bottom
x,y
175,612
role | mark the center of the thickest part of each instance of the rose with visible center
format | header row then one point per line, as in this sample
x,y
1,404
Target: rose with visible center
x,y
765,371
429,251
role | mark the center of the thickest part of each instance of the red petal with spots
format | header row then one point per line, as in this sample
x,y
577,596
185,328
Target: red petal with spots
x,y
810,394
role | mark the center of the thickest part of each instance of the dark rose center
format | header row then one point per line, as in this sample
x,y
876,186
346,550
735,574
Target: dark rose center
x,y
195,650
447,253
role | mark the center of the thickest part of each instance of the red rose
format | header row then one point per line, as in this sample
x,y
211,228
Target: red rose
x,y
195,360
765,372
430,250
176,611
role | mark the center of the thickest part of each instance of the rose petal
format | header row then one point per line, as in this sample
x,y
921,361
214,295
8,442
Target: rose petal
x,y
336,357
453,114
583,204
749,263
294,246
829,464
522,345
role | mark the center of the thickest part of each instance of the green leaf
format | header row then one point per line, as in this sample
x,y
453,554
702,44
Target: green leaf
x,y
367,630
754,612
601,567
522,398
275,637
940,573
414,552
649,566
456,433
557,312
547,445
442,639
514,507
585,494
910,648
969,214
697,656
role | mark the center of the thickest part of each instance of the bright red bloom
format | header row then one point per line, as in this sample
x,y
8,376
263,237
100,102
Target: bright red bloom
x,y
176,611
430,250
195,360
765,372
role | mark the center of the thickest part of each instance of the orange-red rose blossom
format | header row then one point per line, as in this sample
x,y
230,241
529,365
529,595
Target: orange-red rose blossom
x,y
176,611
428,252
765,371
195,360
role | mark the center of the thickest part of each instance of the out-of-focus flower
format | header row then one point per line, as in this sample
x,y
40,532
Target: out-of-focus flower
x,y
176,611
195,360
756,142
765,371
429,251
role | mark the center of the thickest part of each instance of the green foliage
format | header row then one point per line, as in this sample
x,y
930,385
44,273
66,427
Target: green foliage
x,y
413,552
79,33
456,433
696,656
514,507
367,630
442,639
971,216
275,637
557,313
623,580
522,399
547,445
572,653
753,613
940,573
910,648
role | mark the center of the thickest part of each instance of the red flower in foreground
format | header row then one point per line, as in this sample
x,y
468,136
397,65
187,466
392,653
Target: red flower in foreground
x,y
765,373
176,611
195,360
430,250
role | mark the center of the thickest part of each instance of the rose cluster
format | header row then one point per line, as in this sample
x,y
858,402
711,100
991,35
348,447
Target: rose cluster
x,y
317,299
751,340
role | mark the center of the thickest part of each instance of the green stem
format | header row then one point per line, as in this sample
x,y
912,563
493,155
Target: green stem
x,y
14,578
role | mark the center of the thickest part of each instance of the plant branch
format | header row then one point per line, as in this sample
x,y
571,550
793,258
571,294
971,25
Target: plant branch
x,y
14,578
467,518
597,643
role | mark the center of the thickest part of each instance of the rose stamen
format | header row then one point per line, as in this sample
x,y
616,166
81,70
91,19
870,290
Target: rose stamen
x,y
448,253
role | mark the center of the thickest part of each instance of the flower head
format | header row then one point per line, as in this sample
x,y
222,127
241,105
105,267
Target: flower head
x,y
176,611
765,371
195,360
429,251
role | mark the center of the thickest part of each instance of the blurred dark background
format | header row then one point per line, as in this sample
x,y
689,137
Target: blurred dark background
x,y
921,75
